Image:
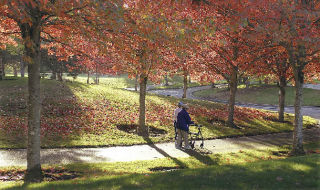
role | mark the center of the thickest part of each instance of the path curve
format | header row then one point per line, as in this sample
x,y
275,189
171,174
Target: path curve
x,y
312,111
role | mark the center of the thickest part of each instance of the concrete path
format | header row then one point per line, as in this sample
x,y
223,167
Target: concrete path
x,y
153,151
312,86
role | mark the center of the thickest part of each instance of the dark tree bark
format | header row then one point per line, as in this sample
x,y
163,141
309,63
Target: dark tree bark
x,y
54,75
136,83
166,82
233,84
185,84
246,81
282,96
60,73
15,71
22,67
88,78
31,36
213,85
59,76
2,66
97,75
143,129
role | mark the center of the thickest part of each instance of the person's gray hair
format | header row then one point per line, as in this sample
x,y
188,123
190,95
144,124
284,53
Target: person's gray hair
x,y
185,106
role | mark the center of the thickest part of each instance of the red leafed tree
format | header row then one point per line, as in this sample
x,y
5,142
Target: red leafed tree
x,y
142,43
274,61
294,25
35,21
225,46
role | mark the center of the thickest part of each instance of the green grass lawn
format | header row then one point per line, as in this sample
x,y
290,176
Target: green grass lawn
x,y
253,169
316,81
176,82
75,114
263,95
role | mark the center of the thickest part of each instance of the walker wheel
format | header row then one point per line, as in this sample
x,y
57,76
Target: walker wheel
x,y
201,145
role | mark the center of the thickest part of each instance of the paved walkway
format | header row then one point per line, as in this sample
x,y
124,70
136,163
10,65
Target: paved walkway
x,y
312,86
153,151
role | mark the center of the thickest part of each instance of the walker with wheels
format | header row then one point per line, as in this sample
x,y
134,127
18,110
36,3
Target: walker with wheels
x,y
195,134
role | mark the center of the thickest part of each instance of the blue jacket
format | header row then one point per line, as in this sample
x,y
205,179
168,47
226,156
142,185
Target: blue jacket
x,y
183,120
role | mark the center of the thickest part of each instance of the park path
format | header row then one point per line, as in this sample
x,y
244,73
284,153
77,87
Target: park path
x,y
17,157
312,111
153,151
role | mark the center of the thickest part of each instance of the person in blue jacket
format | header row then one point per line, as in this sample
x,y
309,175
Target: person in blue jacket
x,y
183,122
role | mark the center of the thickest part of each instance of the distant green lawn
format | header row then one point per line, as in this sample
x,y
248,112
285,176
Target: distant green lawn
x,y
255,169
175,82
75,114
263,95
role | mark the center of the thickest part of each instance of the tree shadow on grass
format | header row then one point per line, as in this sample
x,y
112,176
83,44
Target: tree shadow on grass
x,y
291,173
62,114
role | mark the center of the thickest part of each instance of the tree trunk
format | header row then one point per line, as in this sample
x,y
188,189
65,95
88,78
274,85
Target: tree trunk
x,y
31,36
22,67
297,148
59,76
233,84
297,63
96,81
190,80
60,73
54,75
88,79
136,83
97,75
246,81
185,84
2,66
143,129
282,95
166,82
213,85
15,71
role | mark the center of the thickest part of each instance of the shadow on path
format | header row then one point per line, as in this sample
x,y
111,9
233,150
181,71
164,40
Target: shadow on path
x,y
200,157
164,153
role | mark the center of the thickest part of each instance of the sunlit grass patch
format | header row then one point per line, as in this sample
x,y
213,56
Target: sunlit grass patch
x,y
76,114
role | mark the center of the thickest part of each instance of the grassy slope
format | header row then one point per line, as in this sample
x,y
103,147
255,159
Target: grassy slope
x,y
176,82
254,169
77,114
264,95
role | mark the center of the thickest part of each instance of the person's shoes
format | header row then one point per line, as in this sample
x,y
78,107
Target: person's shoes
x,y
178,147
